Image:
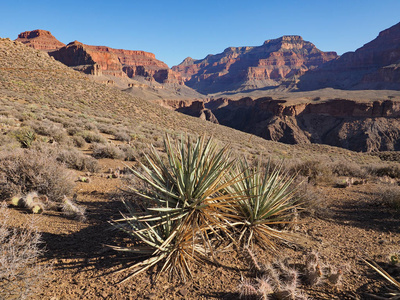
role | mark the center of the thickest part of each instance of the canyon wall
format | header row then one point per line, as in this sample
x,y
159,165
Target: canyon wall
x,y
243,68
354,125
376,65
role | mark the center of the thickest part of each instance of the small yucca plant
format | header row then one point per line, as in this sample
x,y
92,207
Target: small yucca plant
x,y
187,205
266,199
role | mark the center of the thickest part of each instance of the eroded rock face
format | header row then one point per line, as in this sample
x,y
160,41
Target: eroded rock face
x,y
376,65
358,126
40,39
253,67
99,60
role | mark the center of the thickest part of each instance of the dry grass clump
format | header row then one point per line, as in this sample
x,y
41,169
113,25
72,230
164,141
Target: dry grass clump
x,y
27,170
75,159
107,151
390,195
20,274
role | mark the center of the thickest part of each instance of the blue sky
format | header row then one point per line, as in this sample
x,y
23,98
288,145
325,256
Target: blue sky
x,y
173,30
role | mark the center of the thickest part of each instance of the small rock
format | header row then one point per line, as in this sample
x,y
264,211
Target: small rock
x,y
183,292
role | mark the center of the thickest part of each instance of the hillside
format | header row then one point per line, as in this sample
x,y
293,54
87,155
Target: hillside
x,y
97,130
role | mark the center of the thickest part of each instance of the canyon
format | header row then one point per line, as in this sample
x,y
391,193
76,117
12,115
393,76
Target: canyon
x,y
259,89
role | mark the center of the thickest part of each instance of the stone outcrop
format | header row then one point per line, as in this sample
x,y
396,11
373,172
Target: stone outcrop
x,y
198,109
241,68
40,39
101,60
376,65
355,125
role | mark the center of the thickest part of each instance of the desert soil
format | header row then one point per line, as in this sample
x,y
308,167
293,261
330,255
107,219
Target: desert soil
x,y
351,226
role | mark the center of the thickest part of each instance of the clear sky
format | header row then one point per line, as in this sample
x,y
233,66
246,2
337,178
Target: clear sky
x,y
174,30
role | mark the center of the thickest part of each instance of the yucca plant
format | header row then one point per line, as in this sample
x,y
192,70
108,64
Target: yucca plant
x,y
393,294
267,201
186,202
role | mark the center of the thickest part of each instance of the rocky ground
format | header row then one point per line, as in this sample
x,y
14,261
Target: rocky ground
x,y
351,224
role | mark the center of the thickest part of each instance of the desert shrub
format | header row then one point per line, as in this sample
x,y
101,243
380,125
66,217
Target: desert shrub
x,y
348,169
314,170
312,201
46,128
106,128
90,126
75,159
73,130
29,170
78,141
392,170
20,274
122,136
107,151
390,195
92,137
8,142
185,205
130,153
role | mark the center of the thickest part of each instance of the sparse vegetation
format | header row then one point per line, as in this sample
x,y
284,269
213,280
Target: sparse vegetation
x,y
24,171
21,275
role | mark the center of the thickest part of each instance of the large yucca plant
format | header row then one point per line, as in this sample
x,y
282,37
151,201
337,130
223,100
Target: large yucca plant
x,y
266,200
186,202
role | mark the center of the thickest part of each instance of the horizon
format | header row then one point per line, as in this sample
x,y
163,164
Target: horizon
x,y
208,28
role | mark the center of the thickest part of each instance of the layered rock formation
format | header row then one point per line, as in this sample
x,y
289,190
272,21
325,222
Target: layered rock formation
x,y
98,60
358,126
40,39
376,65
271,64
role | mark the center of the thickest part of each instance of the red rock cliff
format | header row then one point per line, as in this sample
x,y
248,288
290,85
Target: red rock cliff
x,y
253,67
376,65
117,62
40,39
